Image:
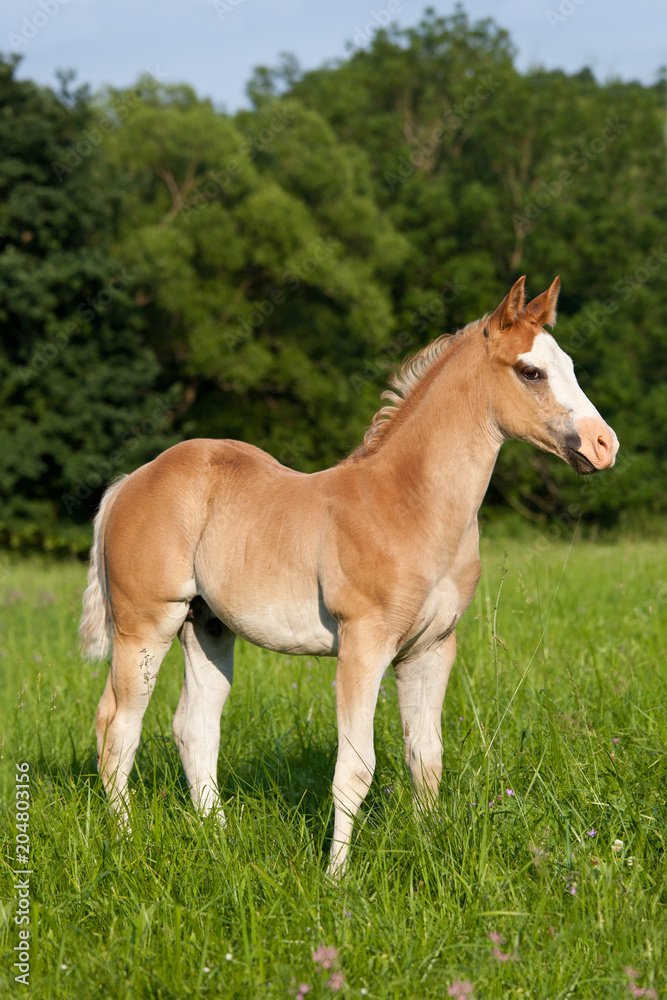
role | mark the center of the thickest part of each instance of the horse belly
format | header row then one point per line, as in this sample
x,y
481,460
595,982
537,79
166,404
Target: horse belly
x,y
256,568
286,626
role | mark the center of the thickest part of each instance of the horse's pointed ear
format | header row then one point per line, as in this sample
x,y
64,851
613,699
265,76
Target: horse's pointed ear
x,y
542,310
508,309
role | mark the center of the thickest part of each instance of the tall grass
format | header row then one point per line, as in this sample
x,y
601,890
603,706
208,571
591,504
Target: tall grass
x,y
541,873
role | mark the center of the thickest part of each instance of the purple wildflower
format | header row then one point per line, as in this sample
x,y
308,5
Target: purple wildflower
x,y
504,956
325,956
638,991
461,989
337,981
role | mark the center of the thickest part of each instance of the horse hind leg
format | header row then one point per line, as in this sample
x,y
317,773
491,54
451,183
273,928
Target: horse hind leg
x,y
208,646
137,657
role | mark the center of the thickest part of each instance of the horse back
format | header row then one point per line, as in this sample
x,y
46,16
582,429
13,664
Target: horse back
x,y
162,510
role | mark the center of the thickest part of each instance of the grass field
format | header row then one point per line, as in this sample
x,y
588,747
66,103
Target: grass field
x,y
541,874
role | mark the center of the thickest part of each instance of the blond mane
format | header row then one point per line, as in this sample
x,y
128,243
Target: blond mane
x,y
409,383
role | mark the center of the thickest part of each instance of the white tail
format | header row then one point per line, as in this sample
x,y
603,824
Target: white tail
x,y
95,627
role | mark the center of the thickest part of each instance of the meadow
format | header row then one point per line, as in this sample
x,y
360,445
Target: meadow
x,y
541,873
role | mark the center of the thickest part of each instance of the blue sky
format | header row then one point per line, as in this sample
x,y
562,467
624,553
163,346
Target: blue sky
x,y
214,44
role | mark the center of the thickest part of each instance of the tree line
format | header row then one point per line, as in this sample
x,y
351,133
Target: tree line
x,y
168,270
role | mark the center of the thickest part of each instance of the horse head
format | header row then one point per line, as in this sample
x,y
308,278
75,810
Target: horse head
x,y
534,391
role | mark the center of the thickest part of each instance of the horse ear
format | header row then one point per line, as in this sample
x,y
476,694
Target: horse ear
x,y
508,309
542,310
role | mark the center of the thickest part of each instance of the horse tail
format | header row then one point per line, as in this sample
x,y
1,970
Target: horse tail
x,y
96,622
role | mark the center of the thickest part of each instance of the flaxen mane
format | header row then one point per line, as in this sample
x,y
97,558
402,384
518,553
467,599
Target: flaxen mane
x,y
408,384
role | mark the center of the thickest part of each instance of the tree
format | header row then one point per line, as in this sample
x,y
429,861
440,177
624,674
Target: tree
x,y
262,268
168,271
489,174
78,400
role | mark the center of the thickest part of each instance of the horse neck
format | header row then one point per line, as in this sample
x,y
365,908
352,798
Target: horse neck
x,y
441,455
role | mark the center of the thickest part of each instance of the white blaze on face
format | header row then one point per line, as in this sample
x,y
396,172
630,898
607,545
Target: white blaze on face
x,y
550,358
599,444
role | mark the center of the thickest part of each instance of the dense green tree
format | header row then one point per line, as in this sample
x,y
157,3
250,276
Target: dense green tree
x,y
489,174
262,266
167,270
78,401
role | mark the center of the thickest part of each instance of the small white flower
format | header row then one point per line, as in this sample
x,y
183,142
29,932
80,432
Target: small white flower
x,y
228,956
63,966
617,846
206,968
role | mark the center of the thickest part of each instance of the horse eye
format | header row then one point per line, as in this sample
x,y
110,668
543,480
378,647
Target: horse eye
x,y
531,374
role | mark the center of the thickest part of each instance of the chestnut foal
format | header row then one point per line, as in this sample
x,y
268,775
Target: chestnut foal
x,y
373,561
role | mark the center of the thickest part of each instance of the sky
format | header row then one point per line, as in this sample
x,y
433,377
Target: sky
x,y
215,44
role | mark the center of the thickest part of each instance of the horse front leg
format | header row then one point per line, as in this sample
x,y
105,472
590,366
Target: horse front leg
x,y
421,683
362,660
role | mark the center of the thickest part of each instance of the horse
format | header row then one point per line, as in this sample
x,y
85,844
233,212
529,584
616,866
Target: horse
x,y
373,561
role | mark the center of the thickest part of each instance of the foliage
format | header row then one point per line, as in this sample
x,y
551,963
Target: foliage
x,y
557,696
259,276
261,263
77,380
491,174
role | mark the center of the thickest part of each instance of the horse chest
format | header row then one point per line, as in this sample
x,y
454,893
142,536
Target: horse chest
x,y
435,621
444,605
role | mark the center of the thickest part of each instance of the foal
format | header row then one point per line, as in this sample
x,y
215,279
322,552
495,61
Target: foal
x,y
373,561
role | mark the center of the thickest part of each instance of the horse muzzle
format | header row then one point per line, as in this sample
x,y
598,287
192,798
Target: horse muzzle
x,y
592,447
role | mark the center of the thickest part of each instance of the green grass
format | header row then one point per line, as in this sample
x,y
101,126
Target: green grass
x,y
558,694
